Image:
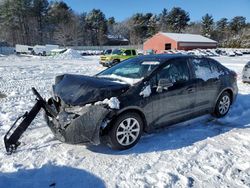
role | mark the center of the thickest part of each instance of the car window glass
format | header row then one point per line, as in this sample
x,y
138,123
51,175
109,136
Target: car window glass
x,y
131,68
116,52
201,68
127,52
133,51
214,66
176,71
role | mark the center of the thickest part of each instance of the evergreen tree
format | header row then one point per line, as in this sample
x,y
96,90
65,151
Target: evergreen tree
x,y
177,20
40,9
62,23
82,29
237,24
163,20
16,20
207,25
97,25
222,25
110,24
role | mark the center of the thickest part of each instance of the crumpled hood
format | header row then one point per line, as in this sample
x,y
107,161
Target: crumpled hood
x,y
78,90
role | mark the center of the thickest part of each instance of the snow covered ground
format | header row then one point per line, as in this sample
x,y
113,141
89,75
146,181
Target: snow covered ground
x,y
202,152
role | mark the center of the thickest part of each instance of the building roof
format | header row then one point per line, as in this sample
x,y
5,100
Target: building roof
x,y
181,37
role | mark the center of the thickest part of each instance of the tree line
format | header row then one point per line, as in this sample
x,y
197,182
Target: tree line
x,y
42,22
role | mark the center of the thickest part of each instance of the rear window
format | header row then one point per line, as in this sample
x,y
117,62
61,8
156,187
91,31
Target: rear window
x,y
215,65
205,70
201,68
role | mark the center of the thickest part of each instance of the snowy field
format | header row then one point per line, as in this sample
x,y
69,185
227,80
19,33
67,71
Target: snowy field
x,y
202,152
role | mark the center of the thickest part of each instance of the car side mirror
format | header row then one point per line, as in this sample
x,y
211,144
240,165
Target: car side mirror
x,y
163,84
124,54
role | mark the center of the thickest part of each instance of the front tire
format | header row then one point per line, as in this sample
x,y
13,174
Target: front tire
x,y
223,105
126,131
114,62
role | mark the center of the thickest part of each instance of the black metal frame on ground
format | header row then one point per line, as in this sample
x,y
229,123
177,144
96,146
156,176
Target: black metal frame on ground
x,y
11,138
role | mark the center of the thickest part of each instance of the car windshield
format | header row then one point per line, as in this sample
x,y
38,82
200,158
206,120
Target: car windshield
x,y
107,52
117,52
130,71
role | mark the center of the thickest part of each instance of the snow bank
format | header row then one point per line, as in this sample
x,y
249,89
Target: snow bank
x,y
69,54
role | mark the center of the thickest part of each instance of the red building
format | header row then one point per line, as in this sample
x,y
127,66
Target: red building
x,y
178,41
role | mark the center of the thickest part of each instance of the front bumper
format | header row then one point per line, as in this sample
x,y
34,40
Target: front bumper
x,y
78,129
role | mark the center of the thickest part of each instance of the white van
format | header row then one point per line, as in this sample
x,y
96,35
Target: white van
x,y
23,49
44,50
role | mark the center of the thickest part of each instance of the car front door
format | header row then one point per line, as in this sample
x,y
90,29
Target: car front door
x,y
176,101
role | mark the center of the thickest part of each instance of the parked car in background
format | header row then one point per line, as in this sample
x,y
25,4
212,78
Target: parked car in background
x,y
117,56
23,49
246,73
43,50
230,54
57,51
238,53
107,52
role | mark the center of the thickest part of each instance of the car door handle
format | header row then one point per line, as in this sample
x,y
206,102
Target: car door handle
x,y
190,89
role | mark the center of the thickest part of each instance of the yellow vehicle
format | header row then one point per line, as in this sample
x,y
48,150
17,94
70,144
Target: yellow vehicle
x,y
117,56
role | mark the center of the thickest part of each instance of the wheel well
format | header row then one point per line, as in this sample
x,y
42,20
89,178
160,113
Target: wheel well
x,y
126,111
118,60
230,93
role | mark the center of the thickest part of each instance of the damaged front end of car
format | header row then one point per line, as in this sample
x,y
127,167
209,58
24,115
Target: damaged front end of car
x,y
80,108
78,125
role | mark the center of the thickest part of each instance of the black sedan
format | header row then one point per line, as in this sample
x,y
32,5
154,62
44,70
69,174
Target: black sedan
x,y
136,95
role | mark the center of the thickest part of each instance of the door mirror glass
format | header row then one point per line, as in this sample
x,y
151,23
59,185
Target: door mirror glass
x,y
163,84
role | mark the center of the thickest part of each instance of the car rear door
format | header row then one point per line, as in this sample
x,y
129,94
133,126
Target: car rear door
x,y
178,100
207,82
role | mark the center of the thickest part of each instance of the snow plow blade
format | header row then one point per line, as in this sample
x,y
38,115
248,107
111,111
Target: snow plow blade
x,y
15,132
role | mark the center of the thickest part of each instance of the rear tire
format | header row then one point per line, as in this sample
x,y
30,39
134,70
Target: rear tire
x,y
126,131
222,105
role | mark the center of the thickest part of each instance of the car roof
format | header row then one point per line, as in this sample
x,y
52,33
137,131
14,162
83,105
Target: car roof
x,y
126,49
163,57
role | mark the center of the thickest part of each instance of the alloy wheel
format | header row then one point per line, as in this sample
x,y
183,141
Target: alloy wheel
x,y
224,104
128,131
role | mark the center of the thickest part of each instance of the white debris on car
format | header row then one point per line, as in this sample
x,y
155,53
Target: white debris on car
x,y
146,92
204,72
113,103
